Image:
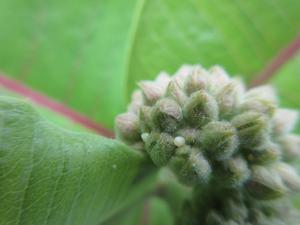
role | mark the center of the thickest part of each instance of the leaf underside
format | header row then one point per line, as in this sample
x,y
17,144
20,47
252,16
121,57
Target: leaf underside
x,y
53,176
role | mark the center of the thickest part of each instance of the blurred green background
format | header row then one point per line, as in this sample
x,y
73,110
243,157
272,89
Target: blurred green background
x,y
89,55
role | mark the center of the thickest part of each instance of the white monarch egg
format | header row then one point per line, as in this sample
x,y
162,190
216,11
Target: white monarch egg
x,y
179,141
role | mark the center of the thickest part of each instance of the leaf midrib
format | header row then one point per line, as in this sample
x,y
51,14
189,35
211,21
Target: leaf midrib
x,y
140,6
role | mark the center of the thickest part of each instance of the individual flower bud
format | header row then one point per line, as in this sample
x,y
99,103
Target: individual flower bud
x,y
201,166
265,184
190,135
219,140
290,145
183,72
196,81
166,115
200,109
127,127
160,147
289,175
151,92
258,105
218,77
265,92
252,127
145,117
178,164
163,80
175,92
136,102
190,166
264,154
213,218
284,120
261,99
234,172
228,97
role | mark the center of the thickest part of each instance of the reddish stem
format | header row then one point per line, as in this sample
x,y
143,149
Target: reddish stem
x,y
145,214
277,62
38,98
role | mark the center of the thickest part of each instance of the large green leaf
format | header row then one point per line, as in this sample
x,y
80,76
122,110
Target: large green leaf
x,y
70,50
49,114
240,35
49,175
89,54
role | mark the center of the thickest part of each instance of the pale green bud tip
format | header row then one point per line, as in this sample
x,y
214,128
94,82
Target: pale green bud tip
x,y
163,79
190,166
289,176
201,166
219,140
290,144
175,92
166,115
127,127
230,96
252,127
160,147
136,102
265,92
265,183
196,81
151,91
200,109
261,99
284,120
264,154
239,171
219,75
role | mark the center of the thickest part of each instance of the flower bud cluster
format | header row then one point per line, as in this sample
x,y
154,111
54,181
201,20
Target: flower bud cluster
x,y
209,130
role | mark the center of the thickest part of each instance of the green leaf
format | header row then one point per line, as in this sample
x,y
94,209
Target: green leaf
x,y
72,51
49,114
89,54
49,175
287,81
240,35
